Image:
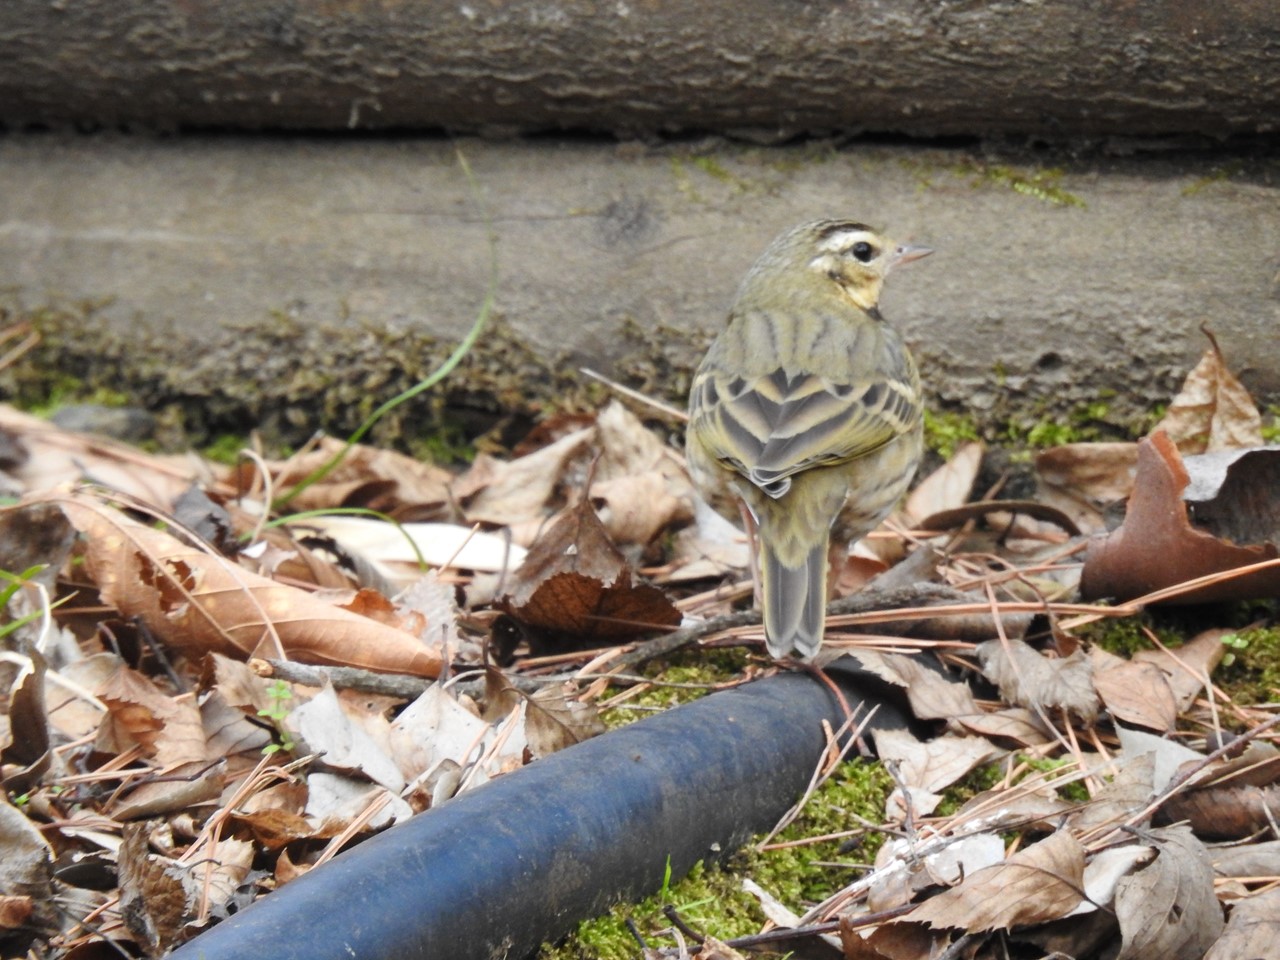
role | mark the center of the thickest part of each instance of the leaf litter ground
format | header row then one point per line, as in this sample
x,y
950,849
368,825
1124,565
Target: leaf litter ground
x,y
206,698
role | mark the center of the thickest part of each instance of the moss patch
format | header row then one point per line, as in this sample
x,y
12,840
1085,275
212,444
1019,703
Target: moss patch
x,y
711,898
286,379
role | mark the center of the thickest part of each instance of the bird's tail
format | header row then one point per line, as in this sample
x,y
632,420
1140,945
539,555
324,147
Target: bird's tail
x,y
794,599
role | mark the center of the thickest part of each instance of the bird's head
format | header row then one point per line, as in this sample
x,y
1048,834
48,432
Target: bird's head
x,y
844,252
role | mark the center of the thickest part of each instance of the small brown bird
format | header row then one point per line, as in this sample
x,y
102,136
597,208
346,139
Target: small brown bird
x,y
807,408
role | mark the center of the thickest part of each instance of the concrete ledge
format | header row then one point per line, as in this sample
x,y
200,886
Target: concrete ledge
x,y
1049,290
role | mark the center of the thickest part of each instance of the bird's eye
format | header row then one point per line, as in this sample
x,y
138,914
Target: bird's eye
x,y
863,251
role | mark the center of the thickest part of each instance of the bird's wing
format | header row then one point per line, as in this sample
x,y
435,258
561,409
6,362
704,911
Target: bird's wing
x,y
770,427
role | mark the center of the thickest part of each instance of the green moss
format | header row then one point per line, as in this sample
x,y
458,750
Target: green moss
x,y
696,673
1219,175
708,899
1089,422
1125,636
711,897
1253,673
946,430
855,794
1042,184
224,448
1074,792
1271,431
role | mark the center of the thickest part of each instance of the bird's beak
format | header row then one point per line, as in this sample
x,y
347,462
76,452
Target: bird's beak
x,y
905,253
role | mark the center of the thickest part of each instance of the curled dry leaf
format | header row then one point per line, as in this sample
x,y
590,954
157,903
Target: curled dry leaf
x,y
1037,884
1168,908
167,728
519,490
198,603
1157,546
1187,668
1213,410
574,589
52,457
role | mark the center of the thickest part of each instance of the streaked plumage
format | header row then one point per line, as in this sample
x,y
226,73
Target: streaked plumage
x,y
807,408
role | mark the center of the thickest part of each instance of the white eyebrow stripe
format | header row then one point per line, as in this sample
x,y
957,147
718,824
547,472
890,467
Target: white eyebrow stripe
x,y
844,239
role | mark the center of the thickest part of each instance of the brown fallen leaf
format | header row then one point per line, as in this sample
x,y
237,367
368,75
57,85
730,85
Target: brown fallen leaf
x,y
931,695
1039,883
1252,931
1029,679
947,487
197,603
138,712
1187,668
1017,724
1083,479
1157,546
52,457
1226,813
1116,800
925,768
1134,691
552,720
574,589
1213,410
1168,908
889,941
367,477
519,490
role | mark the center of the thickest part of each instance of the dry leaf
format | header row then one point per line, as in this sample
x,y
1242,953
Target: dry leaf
x,y
1233,494
926,768
521,489
1029,679
574,589
1042,882
198,603
1213,410
889,941
931,695
1127,792
1252,931
1134,691
55,458
366,477
1082,479
167,728
1017,724
1157,546
946,488
1168,909
1187,668
342,736
553,721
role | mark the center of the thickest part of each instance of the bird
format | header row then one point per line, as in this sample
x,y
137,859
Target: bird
x,y
807,411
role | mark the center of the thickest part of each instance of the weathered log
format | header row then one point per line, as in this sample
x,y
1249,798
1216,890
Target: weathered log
x,y
766,68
